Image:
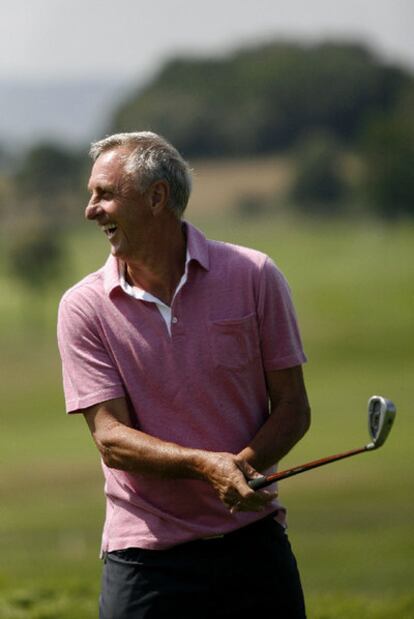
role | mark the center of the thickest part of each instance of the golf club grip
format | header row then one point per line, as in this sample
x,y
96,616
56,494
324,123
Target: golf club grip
x,y
258,483
261,482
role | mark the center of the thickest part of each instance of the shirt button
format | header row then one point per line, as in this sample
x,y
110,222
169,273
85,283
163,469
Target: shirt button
x,y
175,320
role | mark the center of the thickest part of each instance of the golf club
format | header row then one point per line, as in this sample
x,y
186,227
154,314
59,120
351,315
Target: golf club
x,y
381,415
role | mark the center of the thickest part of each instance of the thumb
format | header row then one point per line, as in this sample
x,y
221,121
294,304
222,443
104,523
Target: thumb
x,y
248,471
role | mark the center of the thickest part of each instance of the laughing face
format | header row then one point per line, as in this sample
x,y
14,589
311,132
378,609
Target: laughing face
x,y
122,212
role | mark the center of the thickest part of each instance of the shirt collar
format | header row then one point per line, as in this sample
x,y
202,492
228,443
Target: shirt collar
x,y
139,293
197,248
197,245
111,274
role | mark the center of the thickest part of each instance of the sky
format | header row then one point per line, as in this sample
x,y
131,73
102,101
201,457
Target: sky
x,y
127,39
66,64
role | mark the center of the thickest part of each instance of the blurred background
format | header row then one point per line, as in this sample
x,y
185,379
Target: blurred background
x,y
298,121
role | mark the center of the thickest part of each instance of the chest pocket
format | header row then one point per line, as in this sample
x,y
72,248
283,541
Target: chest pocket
x,y
234,343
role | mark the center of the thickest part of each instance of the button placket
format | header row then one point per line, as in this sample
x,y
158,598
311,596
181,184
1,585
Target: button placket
x,y
176,317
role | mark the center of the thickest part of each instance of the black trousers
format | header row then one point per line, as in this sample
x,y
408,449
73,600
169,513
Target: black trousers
x,y
245,573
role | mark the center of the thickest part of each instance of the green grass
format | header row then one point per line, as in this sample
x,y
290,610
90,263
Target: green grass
x,y
351,524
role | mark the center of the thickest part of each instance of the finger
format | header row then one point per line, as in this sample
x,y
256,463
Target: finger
x,y
257,502
253,502
232,501
235,508
248,471
240,486
243,507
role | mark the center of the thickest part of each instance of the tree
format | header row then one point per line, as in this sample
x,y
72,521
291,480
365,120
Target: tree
x,y
50,181
388,152
263,99
48,169
319,187
37,256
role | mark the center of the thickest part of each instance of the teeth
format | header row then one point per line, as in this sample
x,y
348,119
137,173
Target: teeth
x,y
109,227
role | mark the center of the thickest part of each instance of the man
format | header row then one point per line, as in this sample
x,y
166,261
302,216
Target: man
x,y
173,352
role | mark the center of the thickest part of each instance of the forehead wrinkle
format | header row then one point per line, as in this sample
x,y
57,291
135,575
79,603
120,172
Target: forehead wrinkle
x,y
106,178
109,174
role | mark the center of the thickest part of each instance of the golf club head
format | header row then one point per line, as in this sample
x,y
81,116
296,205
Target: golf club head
x,y
381,415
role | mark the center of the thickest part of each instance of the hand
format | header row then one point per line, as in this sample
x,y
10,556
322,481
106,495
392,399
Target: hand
x,y
227,474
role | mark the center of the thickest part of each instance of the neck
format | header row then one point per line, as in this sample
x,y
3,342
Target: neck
x,y
161,268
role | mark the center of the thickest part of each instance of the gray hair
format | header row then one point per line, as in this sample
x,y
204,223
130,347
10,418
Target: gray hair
x,y
152,158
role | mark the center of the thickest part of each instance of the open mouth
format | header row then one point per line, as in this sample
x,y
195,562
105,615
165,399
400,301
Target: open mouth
x,y
110,230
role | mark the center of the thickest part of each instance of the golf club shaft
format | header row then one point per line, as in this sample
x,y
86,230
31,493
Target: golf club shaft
x,y
262,482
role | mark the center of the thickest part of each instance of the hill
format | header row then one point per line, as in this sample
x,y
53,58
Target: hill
x,y
263,99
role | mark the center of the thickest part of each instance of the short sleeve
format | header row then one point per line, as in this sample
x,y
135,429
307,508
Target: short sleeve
x,y
279,332
89,374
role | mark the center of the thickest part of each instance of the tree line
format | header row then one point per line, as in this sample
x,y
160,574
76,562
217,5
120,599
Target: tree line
x,y
321,105
316,103
263,99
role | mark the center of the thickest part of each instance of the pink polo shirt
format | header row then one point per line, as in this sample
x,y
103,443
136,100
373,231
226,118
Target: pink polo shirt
x,y
202,386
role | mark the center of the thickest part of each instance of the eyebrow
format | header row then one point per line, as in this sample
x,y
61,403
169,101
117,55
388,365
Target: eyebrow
x,y
103,188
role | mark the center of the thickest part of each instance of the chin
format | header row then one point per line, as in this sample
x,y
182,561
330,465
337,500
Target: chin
x,y
118,252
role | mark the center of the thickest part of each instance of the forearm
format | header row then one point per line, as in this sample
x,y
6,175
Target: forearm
x,y
128,449
125,448
286,425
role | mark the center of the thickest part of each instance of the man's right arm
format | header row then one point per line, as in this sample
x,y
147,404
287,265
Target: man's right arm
x,y
123,447
89,374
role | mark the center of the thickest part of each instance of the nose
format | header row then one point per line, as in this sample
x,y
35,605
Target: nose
x,y
92,209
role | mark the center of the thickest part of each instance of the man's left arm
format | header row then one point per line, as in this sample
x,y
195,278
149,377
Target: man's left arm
x,y
288,421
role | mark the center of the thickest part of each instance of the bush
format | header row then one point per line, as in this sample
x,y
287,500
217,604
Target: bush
x,y
388,182
37,256
261,99
319,186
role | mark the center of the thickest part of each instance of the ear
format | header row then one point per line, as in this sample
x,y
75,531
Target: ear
x,y
159,196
